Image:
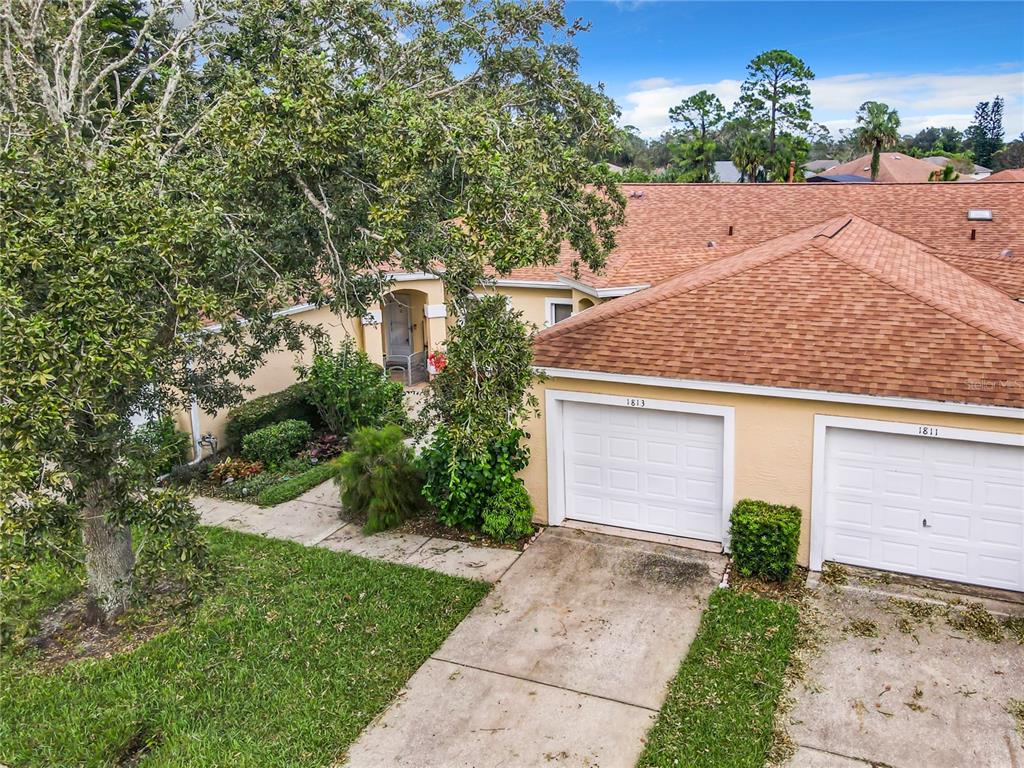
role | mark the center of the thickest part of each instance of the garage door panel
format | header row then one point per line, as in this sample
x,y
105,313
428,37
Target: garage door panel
x,y
649,469
946,508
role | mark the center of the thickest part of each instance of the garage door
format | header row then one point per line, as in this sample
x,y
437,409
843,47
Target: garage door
x,y
646,469
949,509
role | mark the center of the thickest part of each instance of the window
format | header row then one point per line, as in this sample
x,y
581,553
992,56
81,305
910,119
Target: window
x,y
557,310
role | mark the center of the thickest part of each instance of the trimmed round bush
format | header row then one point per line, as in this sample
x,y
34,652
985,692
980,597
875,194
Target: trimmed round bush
x,y
765,538
277,443
290,403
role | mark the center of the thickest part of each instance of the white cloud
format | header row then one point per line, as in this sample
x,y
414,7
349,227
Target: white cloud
x,y
921,99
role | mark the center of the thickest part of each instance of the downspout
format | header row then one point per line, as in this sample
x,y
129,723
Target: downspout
x,y
197,445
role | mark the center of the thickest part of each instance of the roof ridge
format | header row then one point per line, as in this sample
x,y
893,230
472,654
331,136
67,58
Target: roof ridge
x,y
930,301
664,288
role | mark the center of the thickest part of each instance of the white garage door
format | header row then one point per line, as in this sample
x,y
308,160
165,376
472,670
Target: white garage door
x,y
949,509
641,468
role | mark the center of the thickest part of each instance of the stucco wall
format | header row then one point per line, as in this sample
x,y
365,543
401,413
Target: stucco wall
x,y
774,439
530,301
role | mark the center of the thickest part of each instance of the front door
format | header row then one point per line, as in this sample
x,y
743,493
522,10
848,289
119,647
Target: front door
x,y
399,330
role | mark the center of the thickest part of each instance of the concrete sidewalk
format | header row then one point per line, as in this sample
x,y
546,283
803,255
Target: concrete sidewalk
x,y
316,519
566,662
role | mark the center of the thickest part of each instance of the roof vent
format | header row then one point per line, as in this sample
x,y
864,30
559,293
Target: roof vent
x,y
1006,253
636,194
712,243
979,214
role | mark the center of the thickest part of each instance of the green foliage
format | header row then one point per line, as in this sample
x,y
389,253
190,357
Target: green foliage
x,y
985,135
878,127
1010,156
693,151
463,482
351,392
282,620
173,205
379,478
720,709
296,485
764,539
509,513
167,445
776,95
277,443
290,403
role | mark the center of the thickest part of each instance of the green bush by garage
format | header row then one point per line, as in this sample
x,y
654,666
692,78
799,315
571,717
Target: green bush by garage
x,y
290,403
764,539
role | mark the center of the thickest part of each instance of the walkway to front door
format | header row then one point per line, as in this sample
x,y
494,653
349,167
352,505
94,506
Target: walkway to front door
x,y
566,662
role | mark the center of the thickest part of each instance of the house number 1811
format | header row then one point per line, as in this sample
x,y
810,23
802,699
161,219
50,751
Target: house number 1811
x,y
928,431
635,402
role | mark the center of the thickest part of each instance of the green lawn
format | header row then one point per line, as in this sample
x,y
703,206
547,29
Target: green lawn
x,y
721,706
296,650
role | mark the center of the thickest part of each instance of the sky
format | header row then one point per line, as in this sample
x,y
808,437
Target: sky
x,y
931,61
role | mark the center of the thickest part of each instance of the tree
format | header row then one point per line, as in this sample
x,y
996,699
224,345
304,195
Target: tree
x,y
750,155
985,134
1010,156
776,94
877,127
279,151
700,114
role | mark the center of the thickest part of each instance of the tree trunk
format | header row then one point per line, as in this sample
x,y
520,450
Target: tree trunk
x,y
109,558
876,153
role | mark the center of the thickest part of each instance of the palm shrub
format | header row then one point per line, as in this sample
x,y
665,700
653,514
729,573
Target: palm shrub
x,y
379,478
509,513
349,391
765,538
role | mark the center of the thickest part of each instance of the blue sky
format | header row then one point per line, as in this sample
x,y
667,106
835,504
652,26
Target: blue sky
x,y
932,61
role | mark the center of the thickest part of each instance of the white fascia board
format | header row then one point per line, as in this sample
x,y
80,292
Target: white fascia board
x,y
938,406
405,277
293,310
602,293
541,284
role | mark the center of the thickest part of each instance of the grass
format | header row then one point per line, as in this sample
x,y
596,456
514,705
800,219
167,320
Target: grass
x,y
284,663
296,485
721,706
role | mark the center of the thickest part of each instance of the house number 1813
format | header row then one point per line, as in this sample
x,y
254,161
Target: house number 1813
x,y
635,402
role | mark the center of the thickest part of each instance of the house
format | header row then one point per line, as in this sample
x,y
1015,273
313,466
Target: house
x,y
968,171
892,167
846,178
817,166
1010,174
855,350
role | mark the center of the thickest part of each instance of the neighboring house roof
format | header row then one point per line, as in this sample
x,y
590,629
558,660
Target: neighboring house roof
x,y
841,306
1010,174
941,161
816,166
669,226
727,171
846,178
614,168
892,167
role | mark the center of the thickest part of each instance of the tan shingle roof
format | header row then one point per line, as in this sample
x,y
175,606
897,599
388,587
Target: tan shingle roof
x,y
842,306
669,227
1010,174
892,167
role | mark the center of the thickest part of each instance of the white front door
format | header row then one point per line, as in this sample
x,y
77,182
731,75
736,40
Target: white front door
x,y
949,509
641,468
399,328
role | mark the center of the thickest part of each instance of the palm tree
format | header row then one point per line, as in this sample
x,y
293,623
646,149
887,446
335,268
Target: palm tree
x,y
877,127
749,155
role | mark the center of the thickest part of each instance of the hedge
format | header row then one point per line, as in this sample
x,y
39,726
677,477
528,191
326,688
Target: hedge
x,y
290,403
277,443
765,538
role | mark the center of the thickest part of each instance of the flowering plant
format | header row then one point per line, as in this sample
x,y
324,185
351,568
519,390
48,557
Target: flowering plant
x,y
436,361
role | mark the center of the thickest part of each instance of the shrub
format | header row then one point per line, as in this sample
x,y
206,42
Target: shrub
x,y
765,538
167,445
235,468
350,392
461,483
288,489
509,513
277,443
379,478
290,403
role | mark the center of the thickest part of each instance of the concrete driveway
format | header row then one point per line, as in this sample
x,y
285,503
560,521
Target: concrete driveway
x,y
895,684
566,662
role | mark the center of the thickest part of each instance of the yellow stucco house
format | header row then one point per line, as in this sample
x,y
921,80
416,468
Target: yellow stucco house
x,y
854,349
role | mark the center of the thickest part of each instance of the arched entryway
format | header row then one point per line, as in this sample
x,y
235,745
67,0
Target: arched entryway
x,y
406,335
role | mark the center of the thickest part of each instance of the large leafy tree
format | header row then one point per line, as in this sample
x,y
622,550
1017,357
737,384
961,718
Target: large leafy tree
x,y
750,156
776,94
700,116
878,127
234,158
